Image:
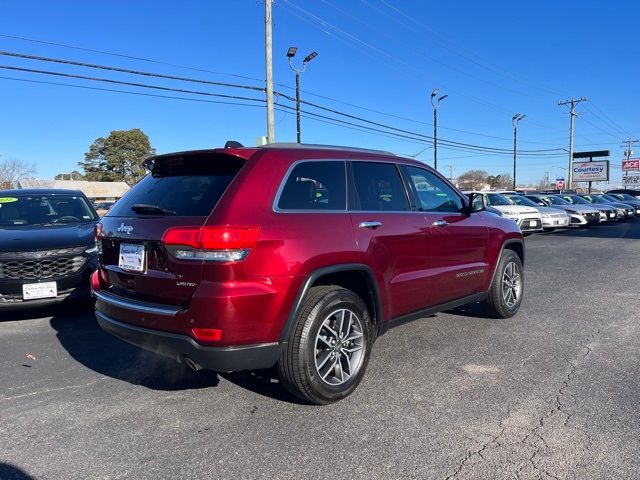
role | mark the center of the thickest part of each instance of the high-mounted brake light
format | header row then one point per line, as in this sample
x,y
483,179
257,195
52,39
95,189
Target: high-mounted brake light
x,y
218,244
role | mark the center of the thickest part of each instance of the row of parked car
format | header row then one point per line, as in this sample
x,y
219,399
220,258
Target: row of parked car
x,y
548,211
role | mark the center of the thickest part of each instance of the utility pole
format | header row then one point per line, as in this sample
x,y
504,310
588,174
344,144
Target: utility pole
x,y
451,169
573,102
271,134
628,152
436,103
515,120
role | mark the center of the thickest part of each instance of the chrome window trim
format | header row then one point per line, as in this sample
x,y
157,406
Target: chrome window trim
x,y
395,162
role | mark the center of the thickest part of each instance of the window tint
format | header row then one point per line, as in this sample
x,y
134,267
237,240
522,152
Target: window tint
x,y
378,187
182,186
315,186
520,200
433,193
495,199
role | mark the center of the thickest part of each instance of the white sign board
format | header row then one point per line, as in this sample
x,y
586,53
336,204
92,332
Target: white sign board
x,y
631,180
597,171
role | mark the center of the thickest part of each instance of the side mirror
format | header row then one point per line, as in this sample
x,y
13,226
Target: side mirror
x,y
477,202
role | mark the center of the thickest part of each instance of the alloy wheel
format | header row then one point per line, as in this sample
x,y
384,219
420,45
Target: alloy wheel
x,y
511,285
339,347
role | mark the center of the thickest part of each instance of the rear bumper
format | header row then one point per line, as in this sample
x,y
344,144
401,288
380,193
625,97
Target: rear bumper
x,y
178,347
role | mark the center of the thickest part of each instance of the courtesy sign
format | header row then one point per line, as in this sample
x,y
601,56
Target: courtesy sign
x,y
591,171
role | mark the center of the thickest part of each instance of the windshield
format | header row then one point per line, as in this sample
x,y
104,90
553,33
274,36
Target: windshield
x,y
597,200
625,196
610,198
520,200
575,200
495,199
555,200
44,209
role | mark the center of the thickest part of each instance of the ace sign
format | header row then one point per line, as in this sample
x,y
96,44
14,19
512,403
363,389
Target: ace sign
x,y
631,164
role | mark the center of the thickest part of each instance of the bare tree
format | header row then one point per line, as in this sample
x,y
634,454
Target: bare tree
x,y
13,170
473,180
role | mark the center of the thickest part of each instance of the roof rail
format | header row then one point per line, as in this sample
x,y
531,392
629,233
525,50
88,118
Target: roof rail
x,y
323,147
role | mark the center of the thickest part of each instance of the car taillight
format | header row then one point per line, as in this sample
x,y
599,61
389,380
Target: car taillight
x,y
95,281
97,231
207,334
216,244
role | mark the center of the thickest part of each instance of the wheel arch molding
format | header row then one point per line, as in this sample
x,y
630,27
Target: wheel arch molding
x,y
343,275
514,244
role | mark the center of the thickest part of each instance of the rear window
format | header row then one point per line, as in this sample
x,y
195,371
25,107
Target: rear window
x,y
315,185
188,186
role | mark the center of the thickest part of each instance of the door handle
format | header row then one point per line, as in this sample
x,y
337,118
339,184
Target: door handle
x,y
440,223
371,225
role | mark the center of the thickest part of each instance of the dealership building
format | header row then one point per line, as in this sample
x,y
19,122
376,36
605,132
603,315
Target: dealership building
x,y
95,191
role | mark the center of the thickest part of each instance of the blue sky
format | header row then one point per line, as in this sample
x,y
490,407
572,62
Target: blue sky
x,y
493,59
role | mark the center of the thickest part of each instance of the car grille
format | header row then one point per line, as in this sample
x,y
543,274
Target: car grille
x,y
40,265
590,216
557,215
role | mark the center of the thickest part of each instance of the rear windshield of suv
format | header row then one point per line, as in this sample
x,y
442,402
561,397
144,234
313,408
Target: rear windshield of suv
x,y
180,186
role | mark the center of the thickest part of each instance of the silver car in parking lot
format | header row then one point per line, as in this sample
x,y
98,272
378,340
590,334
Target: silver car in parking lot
x,y
580,215
608,213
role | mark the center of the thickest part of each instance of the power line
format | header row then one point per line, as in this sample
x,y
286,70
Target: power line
x,y
130,57
160,62
150,74
131,84
85,87
127,70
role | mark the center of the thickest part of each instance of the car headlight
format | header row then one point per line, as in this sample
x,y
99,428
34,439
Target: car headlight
x,y
573,212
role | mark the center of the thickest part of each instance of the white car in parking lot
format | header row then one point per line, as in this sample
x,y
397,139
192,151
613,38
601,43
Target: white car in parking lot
x,y
528,219
552,218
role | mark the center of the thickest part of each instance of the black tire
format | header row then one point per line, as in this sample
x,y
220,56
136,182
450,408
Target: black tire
x,y
496,305
297,364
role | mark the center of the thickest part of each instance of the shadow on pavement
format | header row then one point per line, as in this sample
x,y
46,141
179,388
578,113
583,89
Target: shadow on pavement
x,y
9,472
262,382
629,230
80,335
473,310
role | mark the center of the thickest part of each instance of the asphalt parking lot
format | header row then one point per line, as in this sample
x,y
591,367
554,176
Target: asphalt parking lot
x,y
551,393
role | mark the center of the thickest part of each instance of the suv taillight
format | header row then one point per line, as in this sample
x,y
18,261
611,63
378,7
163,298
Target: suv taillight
x,y
216,244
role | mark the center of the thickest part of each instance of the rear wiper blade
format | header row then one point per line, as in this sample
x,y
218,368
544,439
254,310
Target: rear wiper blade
x,y
151,209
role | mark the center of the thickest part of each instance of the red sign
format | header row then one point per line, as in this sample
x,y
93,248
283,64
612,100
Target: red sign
x,y
560,184
631,164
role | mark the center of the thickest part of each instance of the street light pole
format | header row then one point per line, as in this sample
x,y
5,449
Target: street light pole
x,y
515,120
436,103
290,54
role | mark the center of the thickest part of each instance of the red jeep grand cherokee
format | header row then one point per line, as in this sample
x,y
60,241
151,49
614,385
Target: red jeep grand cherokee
x,y
244,258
